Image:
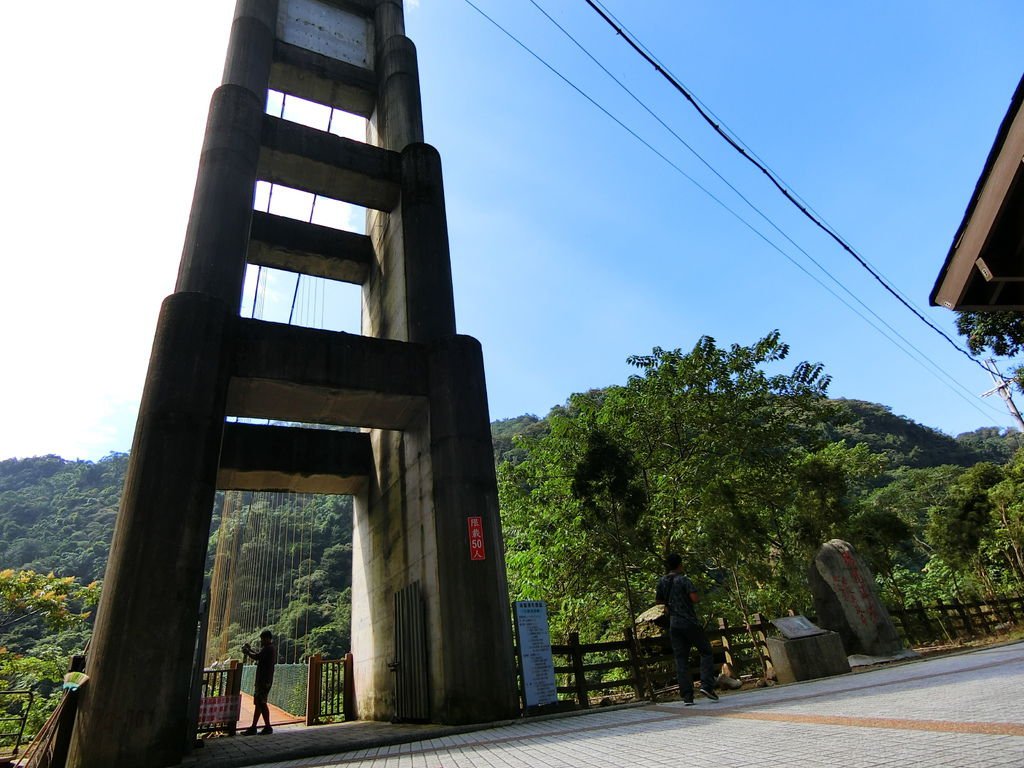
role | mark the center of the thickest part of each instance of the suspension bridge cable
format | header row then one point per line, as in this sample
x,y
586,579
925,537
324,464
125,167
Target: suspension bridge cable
x,y
268,577
279,555
309,573
275,547
245,550
777,182
296,569
234,552
312,210
941,371
715,198
261,563
289,552
255,504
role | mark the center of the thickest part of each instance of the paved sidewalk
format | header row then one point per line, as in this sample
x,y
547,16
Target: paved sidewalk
x,y
957,710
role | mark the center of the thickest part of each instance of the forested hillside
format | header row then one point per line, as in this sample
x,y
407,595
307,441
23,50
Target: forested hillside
x,y
763,469
57,516
903,442
906,443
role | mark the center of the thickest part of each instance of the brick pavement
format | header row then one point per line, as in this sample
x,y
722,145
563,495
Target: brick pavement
x,y
950,711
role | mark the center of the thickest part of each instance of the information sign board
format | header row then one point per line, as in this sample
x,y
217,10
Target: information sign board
x,y
535,662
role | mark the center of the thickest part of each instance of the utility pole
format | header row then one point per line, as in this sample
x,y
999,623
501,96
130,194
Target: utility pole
x,y
1004,392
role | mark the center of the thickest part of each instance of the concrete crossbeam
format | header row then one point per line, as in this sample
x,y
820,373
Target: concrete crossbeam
x,y
322,377
320,162
255,457
315,77
309,249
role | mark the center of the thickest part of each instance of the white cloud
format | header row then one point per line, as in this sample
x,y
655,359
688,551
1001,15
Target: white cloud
x,y
108,133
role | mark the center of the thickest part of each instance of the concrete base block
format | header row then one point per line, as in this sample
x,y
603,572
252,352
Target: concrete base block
x,y
808,658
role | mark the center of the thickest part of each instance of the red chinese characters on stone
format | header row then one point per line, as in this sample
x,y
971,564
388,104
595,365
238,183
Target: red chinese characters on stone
x,y
476,538
858,594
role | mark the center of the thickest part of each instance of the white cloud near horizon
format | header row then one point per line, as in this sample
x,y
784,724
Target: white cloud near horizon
x,y
103,140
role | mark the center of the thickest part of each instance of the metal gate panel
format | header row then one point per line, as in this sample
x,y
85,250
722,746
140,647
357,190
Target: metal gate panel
x,y
412,698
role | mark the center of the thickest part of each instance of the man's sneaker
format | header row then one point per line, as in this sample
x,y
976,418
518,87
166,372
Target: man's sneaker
x,y
688,702
267,730
709,693
250,731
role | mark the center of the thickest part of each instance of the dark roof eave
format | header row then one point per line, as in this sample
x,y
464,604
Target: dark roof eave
x,y
1004,128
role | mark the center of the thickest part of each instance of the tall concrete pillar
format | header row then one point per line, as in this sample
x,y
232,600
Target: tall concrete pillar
x,y
213,256
133,712
422,401
470,609
428,267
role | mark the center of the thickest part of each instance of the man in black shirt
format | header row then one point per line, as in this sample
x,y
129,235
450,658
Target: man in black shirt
x,y
265,660
677,592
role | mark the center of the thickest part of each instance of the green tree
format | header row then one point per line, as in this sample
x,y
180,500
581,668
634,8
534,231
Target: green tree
x,y
890,531
998,333
720,440
1007,503
58,602
883,538
830,484
1001,333
607,485
701,452
552,549
958,530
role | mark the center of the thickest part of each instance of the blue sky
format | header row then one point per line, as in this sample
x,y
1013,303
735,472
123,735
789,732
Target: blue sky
x,y
573,244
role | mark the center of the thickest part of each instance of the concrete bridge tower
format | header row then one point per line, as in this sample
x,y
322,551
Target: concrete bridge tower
x,y
431,633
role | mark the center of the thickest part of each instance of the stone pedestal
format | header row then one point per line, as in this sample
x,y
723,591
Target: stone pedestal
x,y
808,658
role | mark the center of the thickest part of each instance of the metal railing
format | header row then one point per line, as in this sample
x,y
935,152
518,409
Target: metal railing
x,y
14,709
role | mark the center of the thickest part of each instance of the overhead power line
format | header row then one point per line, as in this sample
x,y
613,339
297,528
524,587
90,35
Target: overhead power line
x,y
628,38
923,357
924,361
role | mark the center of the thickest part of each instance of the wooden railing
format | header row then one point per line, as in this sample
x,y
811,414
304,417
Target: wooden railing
x,y
330,692
646,665
641,667
950,623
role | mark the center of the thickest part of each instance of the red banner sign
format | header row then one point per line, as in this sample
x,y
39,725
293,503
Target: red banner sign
x,y
214,710
476,538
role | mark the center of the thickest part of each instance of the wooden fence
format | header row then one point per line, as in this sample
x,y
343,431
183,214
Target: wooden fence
x,y
950,623
330,690
640,667
645,665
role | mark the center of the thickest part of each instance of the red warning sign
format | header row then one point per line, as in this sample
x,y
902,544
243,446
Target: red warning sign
x,y
476,538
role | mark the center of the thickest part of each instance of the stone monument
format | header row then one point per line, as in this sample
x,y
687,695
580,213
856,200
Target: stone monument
x,y
846,602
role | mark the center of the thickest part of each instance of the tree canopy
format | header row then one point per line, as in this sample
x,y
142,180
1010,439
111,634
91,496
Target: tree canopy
x,y
745,471
59,602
